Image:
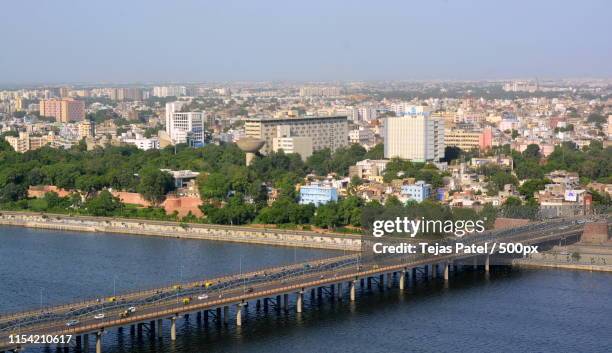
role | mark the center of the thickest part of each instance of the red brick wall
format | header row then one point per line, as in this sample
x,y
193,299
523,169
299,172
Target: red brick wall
x,y
501,223
132,198
183,205
41,190
595,233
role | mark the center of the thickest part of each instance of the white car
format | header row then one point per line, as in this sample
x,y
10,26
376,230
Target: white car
x,y
72,323
99,316
132,309
202,296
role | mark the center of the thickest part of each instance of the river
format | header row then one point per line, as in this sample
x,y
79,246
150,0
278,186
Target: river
x,y
509,310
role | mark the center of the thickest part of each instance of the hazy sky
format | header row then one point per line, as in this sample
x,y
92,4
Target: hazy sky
x,y
143,41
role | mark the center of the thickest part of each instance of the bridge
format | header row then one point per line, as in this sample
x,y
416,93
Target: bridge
x,y
282,288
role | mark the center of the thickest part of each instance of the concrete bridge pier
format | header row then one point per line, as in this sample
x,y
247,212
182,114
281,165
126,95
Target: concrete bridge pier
x,y
239,314
340,291
402,279
225,314
352,285
173,328
381,282
299,300
218,315
389,280
434,271
285,301
159,328
446,269
99,342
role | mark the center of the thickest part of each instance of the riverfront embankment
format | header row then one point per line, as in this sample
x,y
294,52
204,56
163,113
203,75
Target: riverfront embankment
x,y
182,230
584,257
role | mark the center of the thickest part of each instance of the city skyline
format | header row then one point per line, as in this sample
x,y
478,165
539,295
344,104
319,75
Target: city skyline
x,y
274,41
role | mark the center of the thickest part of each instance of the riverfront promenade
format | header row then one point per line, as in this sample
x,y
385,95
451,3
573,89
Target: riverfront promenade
x,y
252,235
281,288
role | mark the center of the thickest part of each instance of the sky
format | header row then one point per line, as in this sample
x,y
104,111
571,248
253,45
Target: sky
x,y
133,41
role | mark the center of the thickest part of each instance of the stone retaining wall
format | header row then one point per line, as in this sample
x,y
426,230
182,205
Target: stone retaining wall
x,y
182,230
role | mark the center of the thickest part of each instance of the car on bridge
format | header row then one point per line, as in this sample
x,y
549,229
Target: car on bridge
x,y
72,323
202,296
99,316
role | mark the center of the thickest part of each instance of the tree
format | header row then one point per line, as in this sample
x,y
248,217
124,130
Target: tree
x,y
214,186
376,152
451,153
532,151
155,184
104,205
530,186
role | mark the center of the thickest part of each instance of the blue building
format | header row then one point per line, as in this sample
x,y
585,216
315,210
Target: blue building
x,y
418,191
317,194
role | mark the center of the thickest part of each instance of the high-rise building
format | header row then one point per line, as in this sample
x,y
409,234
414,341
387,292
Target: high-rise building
x,y
126,94
325,132
185,127
63,110
169,91
418,137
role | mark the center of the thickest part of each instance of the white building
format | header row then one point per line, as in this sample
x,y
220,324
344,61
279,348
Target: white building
x,y
363,136
185,127
169,91
367,114
418,137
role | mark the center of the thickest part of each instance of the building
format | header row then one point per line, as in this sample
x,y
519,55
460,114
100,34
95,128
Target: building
x,y
125,94
317,194
185,127
299,145
26,142
418,137
418,191
169,91
320,91
87,128
182,178
143,143
468,140
368,168
363,136
63,110
325,132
